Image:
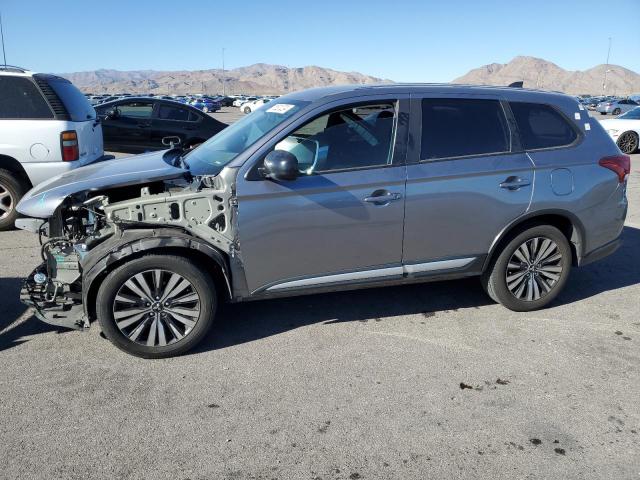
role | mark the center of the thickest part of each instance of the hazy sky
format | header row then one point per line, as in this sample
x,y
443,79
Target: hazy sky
x,y
401,40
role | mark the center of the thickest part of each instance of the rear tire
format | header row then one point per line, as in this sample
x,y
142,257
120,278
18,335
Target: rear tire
x,y
156,315
628,142
530,270
247,110
11,191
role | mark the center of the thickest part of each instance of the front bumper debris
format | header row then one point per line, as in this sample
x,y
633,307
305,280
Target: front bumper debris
x,y
50,305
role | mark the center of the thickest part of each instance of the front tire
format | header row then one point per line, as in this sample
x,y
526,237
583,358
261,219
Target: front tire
x,y
628,142
616,111
530,270
156,306
247,110
11,191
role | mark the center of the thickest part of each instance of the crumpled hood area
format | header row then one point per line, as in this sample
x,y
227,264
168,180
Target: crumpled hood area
x,y
42,200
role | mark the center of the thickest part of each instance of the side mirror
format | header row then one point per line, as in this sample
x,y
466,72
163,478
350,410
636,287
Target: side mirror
x,y
280,165
111,114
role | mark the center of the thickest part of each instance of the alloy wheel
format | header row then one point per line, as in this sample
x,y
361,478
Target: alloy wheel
x,y
628,142
6,202
534,269
156,308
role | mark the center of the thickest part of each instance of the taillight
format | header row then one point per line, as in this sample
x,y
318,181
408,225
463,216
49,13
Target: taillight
x,y
69,143
620,164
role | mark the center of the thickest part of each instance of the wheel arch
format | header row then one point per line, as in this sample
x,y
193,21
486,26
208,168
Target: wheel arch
x,y
213,260
14,166
565,221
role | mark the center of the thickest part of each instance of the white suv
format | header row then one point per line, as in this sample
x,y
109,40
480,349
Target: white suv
x,y
47,127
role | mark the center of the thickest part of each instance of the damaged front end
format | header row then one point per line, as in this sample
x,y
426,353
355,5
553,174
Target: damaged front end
x,y
54,288
91,231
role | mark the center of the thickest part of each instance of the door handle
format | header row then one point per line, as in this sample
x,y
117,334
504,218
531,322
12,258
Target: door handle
x,y
515,183
383,197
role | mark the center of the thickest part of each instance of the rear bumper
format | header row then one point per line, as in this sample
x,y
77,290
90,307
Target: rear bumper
x,y
600,252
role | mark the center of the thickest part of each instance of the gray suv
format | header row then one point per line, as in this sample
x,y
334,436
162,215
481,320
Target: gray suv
x,y
330,189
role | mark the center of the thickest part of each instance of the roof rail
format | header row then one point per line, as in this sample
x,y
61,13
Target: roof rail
x,y
4,66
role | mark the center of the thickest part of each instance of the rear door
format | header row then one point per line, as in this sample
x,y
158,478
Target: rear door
x,y
467,179
341,220
171,120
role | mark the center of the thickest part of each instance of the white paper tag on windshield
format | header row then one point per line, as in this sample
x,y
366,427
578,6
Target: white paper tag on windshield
x,y
580,106
577,115
587,126
280,108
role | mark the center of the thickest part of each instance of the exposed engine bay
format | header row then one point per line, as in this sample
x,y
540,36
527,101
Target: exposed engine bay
x,y
91,225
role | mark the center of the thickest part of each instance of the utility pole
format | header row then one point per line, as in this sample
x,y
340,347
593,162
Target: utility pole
x,y
224,77
4,54
606,69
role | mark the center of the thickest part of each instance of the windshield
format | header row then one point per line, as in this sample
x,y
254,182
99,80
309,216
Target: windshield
x,y
211,157
632,114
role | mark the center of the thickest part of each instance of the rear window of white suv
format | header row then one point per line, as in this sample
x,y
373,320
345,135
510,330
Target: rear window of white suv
x,y
75,102
21,100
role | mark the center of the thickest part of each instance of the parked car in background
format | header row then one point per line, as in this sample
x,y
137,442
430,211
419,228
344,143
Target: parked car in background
x,y
616,107
139,124
249,107
322,190
241,101
47,127
205,104
625,130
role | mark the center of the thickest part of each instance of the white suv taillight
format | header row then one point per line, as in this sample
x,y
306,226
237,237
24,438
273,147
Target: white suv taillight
x,y
69,144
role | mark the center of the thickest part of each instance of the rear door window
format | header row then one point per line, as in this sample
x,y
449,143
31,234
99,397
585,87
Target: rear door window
x,y
459,127
541,126
21,99
169,112
75,102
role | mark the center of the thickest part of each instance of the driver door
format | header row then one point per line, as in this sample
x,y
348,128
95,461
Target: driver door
x,y
341,221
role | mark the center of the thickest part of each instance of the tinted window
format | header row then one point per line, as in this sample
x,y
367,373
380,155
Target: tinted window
x,y
20,98
169,112
456,127
350,138
136,109
74,100
541,126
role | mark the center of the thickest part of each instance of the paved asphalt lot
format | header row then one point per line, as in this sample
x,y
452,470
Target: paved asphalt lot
x,y
358,385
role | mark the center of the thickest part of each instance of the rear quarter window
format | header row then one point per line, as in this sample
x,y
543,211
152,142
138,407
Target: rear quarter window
x,y
75,102
542,126
20,99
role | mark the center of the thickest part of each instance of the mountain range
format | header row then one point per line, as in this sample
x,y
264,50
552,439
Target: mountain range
x,y
267,79
545,75
260,78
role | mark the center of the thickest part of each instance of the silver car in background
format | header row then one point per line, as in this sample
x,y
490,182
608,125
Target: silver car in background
x,y
616,107
330,189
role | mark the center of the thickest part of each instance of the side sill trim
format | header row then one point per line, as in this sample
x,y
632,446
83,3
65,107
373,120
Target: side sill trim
x,y
405,270
438,265
340,277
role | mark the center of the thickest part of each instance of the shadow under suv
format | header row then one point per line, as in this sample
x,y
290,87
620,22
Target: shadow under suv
x,y
328,189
